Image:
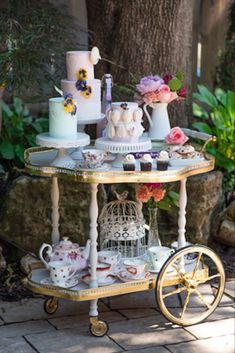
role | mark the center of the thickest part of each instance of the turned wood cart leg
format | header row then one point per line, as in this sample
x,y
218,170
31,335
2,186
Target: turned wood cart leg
x,y
93,213
182,214
55,235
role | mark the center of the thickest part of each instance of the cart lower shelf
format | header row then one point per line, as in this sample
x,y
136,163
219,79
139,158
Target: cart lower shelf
x,y
82,292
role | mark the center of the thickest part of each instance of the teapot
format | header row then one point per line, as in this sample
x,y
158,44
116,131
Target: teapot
x,y
65,250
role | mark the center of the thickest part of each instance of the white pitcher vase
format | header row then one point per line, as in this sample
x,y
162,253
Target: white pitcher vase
x,y
159,124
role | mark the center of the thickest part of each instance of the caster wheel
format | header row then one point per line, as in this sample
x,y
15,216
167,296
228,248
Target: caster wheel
x,y
190,285
51,305
98,328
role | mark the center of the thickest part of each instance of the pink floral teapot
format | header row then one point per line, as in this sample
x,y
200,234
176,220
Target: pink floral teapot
x,y
66,251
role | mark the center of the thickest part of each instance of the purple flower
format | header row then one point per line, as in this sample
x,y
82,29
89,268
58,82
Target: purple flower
x,y
68,95
81,85
149,84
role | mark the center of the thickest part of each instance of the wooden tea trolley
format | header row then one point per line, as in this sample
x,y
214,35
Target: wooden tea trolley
x,y
194,274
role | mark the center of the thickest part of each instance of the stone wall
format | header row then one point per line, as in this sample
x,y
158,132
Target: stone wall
x,y
26,211
25,216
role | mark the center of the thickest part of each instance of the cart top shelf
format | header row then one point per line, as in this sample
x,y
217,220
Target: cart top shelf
x,y
38,160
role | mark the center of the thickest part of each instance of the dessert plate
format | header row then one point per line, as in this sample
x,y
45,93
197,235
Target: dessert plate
x,y
110,279
82,166
186,161
125,276
68,284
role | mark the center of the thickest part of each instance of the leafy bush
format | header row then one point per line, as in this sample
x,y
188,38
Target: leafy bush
x,y
19,130
217,117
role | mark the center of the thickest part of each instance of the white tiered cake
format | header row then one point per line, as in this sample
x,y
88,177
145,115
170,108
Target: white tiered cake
x,y
81,83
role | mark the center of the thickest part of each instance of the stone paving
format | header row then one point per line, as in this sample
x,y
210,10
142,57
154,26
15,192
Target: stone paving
x,y
136,326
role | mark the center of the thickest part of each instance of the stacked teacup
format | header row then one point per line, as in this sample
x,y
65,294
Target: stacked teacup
x,y
106,267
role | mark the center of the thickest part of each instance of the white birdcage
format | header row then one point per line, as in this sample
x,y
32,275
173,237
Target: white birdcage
x,y
122,227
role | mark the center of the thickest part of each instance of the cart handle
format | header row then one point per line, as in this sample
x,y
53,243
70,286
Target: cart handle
x,y
200,135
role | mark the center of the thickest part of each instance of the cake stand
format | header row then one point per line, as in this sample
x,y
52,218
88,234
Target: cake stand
x,y
63,159
120,148
77,154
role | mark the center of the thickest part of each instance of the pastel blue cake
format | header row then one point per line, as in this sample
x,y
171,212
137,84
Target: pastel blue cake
x,y
62,124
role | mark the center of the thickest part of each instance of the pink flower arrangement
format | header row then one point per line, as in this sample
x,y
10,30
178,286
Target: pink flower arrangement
x,y
176,136
154,89
146,192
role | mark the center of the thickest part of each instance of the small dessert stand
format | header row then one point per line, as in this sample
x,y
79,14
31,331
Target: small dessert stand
x,y
120,148
62,158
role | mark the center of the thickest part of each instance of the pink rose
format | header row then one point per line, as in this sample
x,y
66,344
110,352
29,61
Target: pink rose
x,y
150,97
164,94
176,137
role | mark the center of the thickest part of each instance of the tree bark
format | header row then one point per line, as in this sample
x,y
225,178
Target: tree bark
x,y
144,37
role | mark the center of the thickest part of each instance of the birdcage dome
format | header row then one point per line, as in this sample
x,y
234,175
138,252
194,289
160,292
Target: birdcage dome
x,y
121,220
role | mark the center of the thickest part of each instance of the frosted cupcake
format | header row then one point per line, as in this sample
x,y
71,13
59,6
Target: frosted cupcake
x,y
162,161
129,162
146,163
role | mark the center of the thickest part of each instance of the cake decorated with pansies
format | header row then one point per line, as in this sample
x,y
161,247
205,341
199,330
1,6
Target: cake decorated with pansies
x,y
63,117
80,82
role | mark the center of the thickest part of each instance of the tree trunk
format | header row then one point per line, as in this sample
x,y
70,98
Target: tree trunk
x,y
144,37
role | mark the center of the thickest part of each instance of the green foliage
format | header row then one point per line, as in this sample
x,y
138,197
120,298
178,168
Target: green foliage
x,y
217,113
175,84
34,37
170,199
19,130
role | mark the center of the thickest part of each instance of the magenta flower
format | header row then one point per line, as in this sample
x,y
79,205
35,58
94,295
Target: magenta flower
x,y
182,93
167,78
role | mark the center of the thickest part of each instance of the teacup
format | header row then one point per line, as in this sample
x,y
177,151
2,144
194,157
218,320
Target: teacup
x,y
158,255
102,270
94,158
134,267
110,257
60,271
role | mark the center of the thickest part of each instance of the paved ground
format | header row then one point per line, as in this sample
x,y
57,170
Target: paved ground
x,y
135,326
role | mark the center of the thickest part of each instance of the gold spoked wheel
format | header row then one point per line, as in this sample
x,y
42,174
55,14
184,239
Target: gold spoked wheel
x,y
98,328
190,285
51,304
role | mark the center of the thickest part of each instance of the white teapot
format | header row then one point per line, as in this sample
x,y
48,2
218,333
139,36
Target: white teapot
x,y
65,250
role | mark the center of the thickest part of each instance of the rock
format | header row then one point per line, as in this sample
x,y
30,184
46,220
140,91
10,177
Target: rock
x,y
223,229
3,263
226,233
26,211
29,262
205,200
229,212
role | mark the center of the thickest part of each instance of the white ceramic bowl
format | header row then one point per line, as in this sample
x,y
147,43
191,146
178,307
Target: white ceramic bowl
x,y
94,158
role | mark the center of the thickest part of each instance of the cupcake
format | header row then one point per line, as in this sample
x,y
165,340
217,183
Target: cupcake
x,y
162,160
146,163
129,162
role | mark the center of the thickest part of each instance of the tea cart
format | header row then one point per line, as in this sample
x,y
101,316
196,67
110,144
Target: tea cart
x,y
192,274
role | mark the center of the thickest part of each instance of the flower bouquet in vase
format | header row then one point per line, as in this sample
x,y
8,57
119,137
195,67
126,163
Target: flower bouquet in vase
x,y
157,92
151,194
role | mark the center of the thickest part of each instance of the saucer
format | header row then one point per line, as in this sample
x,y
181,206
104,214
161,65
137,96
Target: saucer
x,y
83,166
71,282
110,279
124,276
152,270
